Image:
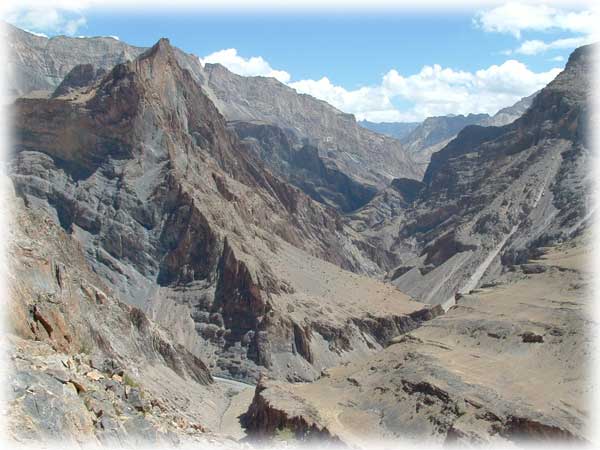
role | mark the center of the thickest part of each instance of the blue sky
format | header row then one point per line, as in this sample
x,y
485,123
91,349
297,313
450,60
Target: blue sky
x,y
380,65
351,50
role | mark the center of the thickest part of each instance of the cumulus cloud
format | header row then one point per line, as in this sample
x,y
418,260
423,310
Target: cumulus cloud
x,y
514,18
42,18
358,101
433,91
252,66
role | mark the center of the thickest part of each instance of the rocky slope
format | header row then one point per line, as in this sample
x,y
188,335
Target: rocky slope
x,y
365,156
141,208
435,132
300,164
507,363
37,63
85,368
183,223
510,113
492,195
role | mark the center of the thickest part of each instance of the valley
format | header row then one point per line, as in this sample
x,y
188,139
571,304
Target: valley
x,y
198,257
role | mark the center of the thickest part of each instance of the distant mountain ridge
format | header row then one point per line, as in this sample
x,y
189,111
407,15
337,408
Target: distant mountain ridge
x,y
422,139
396,130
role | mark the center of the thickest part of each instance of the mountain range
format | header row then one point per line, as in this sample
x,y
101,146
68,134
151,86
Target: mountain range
x,y
176,226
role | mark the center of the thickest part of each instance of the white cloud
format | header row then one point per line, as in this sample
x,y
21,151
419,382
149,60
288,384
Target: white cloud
x,y
536,46
433,91
42,18
558,58
372,99
252,66
515,18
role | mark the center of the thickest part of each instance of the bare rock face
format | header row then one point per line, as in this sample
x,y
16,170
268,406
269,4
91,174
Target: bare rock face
x,y
300,164
85,368
78,77
188,222
369,158
57,299
186,225
491,196
345,146
265,418
507,363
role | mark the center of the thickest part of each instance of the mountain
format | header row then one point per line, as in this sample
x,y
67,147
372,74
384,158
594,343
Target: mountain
x,y
191,257
37,63
492,195
300,164
435,132
172,212
396,130
510,113
344,145
499,230
40,64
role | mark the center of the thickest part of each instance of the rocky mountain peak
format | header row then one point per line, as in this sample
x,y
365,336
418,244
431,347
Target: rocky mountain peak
x,y
161,52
